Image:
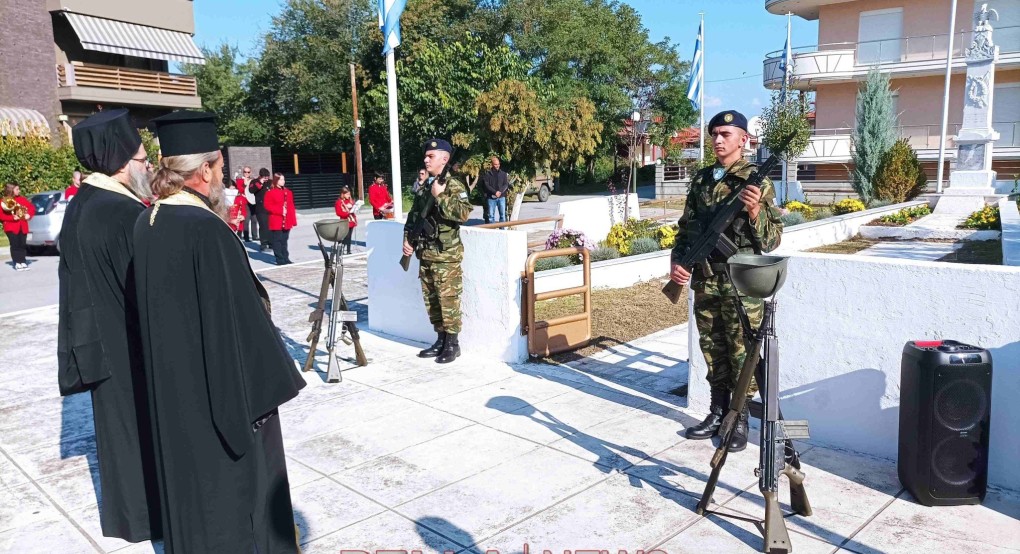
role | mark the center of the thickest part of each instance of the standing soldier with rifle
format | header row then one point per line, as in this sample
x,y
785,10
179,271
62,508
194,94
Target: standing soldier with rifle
x,y
756,229
432,232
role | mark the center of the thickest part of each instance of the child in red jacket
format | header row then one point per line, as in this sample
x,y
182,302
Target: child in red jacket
x,y
379,197
15,211
279,203
345,210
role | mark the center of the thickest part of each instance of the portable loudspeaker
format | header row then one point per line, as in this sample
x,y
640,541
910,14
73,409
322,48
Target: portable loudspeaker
x,y
945,407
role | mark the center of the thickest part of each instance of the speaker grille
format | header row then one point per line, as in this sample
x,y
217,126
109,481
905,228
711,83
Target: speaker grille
x,y
961,405
955,461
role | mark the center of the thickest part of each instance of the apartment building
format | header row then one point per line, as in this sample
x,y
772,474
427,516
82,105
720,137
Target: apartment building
x,y
908,40
63,60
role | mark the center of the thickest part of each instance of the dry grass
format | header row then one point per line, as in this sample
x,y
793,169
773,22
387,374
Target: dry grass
x,y
618,315
988,252
850,246
672,204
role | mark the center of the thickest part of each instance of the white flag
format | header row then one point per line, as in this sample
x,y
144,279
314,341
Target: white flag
x,y
697,71
389,22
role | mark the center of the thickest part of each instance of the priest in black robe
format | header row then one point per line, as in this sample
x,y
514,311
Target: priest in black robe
x,y
98,348
217,368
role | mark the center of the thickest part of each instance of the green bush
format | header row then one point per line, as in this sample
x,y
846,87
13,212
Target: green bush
x,y
900,176
644,245
793,218
879,203
555,262
35,164
602,253
906,215
986,219
822,213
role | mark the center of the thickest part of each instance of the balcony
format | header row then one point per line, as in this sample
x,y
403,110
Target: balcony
x,y
806,9
833,145
902,57
121,85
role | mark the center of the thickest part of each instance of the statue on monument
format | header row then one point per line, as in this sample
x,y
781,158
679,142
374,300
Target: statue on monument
x,y
982,48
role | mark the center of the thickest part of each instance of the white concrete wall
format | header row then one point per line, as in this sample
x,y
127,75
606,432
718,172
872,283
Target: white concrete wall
x,y
609,274
493,261
833,229
595,216
842,322
1010,232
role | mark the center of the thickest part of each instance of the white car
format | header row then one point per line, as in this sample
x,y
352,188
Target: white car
x,y
44,227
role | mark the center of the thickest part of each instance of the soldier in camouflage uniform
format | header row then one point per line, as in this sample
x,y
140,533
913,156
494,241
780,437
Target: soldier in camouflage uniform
x,y
440,269
755,230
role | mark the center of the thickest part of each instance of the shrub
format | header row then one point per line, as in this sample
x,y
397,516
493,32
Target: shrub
x,y
879,204
566,238
822,213
906,215
621,235
644,245
667,235
34,163
847,206
799,207
900,176
986,218
602,253
793,218
555,262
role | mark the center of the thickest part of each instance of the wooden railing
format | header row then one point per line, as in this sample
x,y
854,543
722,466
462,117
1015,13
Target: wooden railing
x,y
77,74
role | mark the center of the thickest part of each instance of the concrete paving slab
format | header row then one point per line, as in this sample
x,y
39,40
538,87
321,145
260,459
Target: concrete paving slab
x,y
907,250
298,474
359,443
484,403
88,519
74,489
323,506
386,531
418,470
10,476
48,536
24,505
498,498
445,380
717,534
317,391
73,454
45,421
619,514
908,527
346,411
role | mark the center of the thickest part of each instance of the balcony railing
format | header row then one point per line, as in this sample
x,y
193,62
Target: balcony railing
x,y
77,74
832,144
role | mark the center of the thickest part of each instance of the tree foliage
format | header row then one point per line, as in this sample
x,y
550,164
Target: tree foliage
x,y
34,163
900,176
874,133
785,116
223,85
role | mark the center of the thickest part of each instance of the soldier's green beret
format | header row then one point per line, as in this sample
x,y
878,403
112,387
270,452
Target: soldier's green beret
x,y
729,117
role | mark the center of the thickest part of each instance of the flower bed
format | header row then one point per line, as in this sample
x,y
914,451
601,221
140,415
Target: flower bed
x,y
903,217
985,219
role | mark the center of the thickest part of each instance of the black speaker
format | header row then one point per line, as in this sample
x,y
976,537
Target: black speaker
x,y
945,407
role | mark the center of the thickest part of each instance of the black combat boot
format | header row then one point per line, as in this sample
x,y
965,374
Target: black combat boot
x,y
436,348
738,441
716,411
450,350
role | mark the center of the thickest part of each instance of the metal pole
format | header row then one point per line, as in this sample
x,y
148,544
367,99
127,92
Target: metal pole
x,y
357,136
391,86
945,99
701,94
782,95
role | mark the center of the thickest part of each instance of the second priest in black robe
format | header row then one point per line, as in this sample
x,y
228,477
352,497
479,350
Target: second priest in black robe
x,y
217,368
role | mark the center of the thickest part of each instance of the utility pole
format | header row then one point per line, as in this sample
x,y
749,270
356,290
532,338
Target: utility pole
x,y
945,100
357,136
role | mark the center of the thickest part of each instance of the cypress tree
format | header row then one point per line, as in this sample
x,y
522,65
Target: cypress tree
x,y
874,134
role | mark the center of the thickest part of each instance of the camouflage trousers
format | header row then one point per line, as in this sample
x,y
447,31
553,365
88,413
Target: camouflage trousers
x,y
441,285
722,338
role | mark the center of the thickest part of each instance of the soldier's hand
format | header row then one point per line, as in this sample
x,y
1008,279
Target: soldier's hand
x,y
438,188
751,196
679,275
408,250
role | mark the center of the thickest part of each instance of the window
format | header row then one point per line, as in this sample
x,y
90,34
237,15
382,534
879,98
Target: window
x,y
880,33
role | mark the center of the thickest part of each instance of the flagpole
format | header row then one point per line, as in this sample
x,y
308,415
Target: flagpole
x,y
945,100
391,86
701,93
787,60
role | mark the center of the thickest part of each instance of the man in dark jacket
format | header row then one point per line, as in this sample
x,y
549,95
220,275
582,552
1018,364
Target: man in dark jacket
x,y
495,184
259,187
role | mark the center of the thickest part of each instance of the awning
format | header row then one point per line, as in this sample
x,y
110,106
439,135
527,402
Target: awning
x,y
17,121
117,37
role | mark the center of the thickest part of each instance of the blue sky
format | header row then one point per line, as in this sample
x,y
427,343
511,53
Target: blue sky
x,y
738,34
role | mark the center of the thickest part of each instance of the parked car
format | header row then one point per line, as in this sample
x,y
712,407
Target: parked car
x,y
44,228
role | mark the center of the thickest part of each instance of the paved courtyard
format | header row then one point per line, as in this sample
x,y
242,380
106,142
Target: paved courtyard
x,y
476,456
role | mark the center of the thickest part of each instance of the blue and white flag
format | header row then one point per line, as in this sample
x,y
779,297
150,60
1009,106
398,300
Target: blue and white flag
x,y
787,64
389,22
697,70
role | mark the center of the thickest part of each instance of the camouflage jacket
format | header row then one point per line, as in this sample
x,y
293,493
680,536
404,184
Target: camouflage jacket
x,y
753,238
452,209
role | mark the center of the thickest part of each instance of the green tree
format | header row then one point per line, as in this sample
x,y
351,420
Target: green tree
x,y
223,85
900,176
874,133
34,163
786,116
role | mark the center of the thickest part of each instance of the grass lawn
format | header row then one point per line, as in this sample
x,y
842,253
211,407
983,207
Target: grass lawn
x,y
672,204
618,315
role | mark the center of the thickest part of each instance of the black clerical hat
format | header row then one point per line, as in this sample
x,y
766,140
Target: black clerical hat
x,y
729,117
106,141
187,132
437,144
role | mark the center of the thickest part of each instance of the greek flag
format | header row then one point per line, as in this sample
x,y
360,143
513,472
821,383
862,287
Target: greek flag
x,y
787,64
389,22
697,70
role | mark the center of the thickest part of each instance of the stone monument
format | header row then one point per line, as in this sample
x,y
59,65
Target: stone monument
x,y
973,175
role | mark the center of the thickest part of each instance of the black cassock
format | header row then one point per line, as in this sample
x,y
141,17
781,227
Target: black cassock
x,y
216,368
98,350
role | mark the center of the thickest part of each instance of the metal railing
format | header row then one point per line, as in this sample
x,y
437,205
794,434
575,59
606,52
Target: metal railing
x,y
1009,133
561,334
77,74
906,49
558,219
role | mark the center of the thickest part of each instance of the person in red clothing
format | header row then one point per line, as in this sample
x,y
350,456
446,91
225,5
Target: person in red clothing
x,y
15,211
279,203
379,197
345,210
70,191
239,211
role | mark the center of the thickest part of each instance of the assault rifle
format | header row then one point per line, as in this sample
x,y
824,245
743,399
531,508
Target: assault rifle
x,y
714,238
425,228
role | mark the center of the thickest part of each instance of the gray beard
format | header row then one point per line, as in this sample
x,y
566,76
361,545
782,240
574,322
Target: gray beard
x,y
139,183
218,201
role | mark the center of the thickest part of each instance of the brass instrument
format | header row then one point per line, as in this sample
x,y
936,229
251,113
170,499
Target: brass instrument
x,y
11,206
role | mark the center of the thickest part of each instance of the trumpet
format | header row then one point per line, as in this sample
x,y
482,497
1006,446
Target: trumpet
x,y
11,206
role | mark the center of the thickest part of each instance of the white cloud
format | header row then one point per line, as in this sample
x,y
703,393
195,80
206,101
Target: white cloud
x,y
713,101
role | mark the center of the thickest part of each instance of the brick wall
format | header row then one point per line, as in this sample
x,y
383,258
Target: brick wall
x,y
28,76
